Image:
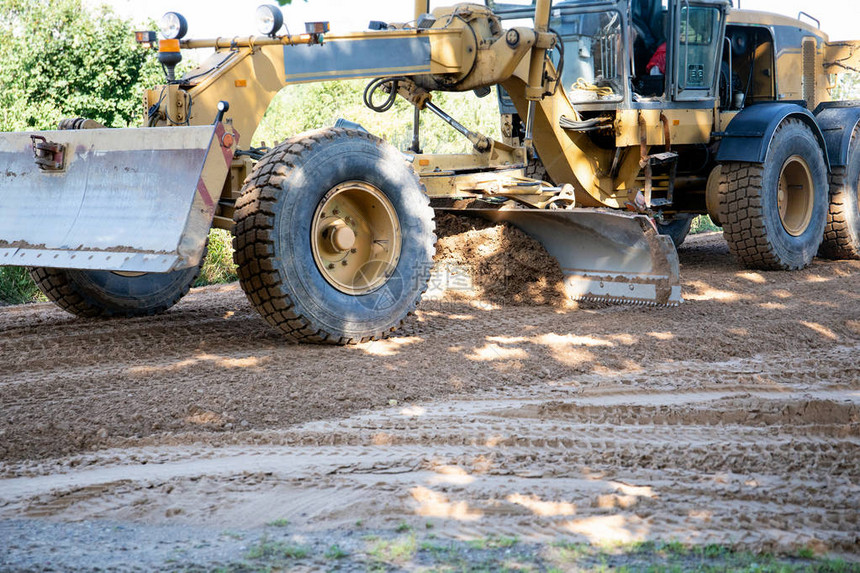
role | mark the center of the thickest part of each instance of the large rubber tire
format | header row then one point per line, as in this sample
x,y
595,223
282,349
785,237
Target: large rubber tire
x,y
273,249
535,170
842,233
677,229
756,234
104,294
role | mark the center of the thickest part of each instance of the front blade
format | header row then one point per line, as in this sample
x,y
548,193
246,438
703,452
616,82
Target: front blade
x,y
137,200
604,255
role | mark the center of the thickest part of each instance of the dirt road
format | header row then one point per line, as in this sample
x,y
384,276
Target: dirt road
x,y
732,419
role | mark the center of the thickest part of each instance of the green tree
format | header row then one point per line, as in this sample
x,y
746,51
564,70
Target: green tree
x,y
847,86
60,59
298,108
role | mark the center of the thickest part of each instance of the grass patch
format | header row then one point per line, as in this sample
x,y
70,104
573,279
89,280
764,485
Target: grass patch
x,y
335,552
398,550
806,553
16,286
496,554
235,535
674,556
703,224
279,523
433,547
218,267
568,551
269,550
493,542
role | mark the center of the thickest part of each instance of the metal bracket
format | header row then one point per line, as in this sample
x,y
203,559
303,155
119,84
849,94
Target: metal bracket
x,y
648,162
49,156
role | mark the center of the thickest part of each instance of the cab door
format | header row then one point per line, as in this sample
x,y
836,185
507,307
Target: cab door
x,y
695,44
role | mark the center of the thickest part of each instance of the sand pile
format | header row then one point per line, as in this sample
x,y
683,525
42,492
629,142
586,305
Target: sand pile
x,y
495,263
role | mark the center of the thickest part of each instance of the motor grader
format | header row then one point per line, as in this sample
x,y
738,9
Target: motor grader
x,y
333,229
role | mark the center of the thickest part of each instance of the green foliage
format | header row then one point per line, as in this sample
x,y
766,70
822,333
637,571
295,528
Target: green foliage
x,y
16,286
218,267
847,87
398,550
268,549
703,224
335,552
304,107
493,542
61,59
806,553
670,556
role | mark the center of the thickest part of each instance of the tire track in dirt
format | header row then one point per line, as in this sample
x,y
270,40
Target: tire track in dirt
x,y
478,470
732,419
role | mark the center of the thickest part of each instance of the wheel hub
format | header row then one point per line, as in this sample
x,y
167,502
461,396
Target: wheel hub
x,y
355,237
795,195
341,237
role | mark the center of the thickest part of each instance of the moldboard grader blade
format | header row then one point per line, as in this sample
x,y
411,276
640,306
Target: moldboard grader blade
x,y
608,256
132,200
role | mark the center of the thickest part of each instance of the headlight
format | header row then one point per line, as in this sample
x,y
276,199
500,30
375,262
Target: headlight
x,y
173,26
269,20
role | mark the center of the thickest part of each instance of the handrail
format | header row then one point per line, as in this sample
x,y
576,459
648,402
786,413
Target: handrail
x,y
813,18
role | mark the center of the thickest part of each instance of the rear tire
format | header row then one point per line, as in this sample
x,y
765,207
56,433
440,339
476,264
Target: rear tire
x,y
92,294
677,229
775,212
302,267
842,233
536,170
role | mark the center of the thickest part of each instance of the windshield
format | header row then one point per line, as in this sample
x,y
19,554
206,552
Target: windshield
x,y
594,55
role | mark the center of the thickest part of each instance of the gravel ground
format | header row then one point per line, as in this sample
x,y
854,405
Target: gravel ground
x,y
177,441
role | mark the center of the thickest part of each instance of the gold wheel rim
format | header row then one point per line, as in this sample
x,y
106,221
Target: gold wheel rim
x,y
356,238
795,195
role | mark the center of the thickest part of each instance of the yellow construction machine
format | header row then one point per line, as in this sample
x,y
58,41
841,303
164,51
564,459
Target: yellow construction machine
x,y
333,229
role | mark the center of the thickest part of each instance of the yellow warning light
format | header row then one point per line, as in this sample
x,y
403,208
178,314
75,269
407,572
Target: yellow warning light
x,y
168,45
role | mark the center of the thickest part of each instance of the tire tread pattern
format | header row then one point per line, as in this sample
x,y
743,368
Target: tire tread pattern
x,y
61,289
254,242
741,191
839,241
743,227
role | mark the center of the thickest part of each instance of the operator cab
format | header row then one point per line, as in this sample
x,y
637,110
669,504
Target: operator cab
x,y
623,51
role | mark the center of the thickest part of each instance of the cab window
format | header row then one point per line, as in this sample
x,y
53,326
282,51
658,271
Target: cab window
x,y
594,55
698,28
